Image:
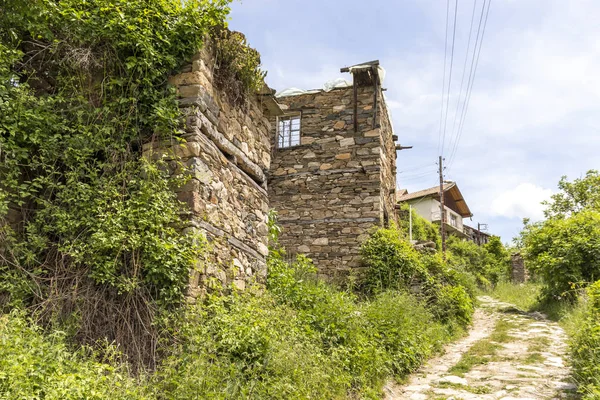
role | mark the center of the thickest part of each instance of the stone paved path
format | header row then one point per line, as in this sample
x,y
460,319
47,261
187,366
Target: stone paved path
x,y
508,355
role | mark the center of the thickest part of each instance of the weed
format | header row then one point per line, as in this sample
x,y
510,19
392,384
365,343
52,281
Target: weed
x,y
533,358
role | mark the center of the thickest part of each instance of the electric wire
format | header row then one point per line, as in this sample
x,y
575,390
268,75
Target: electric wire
x,y
470,88
462,81
444,77
450,77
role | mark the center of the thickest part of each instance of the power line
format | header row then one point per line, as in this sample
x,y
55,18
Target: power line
x,y
450,76
470,87
418,167
462,81
444,77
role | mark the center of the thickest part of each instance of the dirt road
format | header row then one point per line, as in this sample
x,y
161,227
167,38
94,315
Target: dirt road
x,y
508,354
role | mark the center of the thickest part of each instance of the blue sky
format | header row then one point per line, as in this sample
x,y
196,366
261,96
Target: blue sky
x,y
534,109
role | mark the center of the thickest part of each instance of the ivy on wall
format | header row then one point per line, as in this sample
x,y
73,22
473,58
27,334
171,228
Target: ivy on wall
x,y
90,230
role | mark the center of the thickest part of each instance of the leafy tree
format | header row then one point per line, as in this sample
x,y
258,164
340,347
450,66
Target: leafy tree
x,y
565,252
581,194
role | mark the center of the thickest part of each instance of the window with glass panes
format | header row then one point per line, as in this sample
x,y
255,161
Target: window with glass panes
x,y
288,131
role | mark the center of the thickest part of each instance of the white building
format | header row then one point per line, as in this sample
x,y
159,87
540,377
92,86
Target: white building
x,y
427,204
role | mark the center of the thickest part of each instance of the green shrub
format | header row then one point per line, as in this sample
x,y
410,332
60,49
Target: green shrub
x,y
422,229
585,345
452,304
406,330
488,263
248,346
333,317
39,365
392,262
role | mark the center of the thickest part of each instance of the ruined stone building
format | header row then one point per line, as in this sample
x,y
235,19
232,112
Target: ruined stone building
x,y
333,169
227,151
325,160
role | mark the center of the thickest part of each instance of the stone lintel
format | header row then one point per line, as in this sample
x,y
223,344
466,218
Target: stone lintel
x,y
213,230
229,148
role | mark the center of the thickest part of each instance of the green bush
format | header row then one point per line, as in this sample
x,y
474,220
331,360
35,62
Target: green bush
x,y
392,262
333,317
488,264
406,330
422,229
248,346
39,365
585,345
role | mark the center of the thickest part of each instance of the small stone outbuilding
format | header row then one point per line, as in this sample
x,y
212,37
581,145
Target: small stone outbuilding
x,y
333,169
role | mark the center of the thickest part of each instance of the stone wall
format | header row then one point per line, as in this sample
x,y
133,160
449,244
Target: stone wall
x,y
518,271
337,184
227,152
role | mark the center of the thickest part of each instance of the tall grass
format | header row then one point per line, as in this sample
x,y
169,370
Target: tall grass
x,y
524,296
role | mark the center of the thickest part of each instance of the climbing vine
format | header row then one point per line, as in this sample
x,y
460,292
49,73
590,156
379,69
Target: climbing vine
x,y
90,229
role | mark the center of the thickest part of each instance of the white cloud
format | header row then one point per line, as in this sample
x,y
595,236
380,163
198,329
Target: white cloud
x,y
522,201
533,111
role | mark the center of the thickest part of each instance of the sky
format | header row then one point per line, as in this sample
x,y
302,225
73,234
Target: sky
x,y
533,114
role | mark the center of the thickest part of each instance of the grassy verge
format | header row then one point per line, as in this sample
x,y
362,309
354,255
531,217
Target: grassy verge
x,y
523,296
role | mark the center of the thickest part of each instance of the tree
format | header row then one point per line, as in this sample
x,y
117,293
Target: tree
x,y
576,196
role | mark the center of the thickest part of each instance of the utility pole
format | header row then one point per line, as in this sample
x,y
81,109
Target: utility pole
x,y
442,211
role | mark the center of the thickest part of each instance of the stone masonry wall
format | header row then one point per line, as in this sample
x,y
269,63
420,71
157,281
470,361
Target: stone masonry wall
x,y
518,270
337,184
388,164
227,152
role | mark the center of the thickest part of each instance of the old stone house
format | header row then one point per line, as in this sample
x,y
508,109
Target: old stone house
x,y
333,169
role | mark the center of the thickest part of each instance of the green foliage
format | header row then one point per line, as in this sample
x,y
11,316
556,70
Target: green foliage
x,y
564,250
581,194
247,346
405,330
422,229
565,253
302,338
238,65
488,263
38,365
525,296
70,131
392,262
83,85
585,345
